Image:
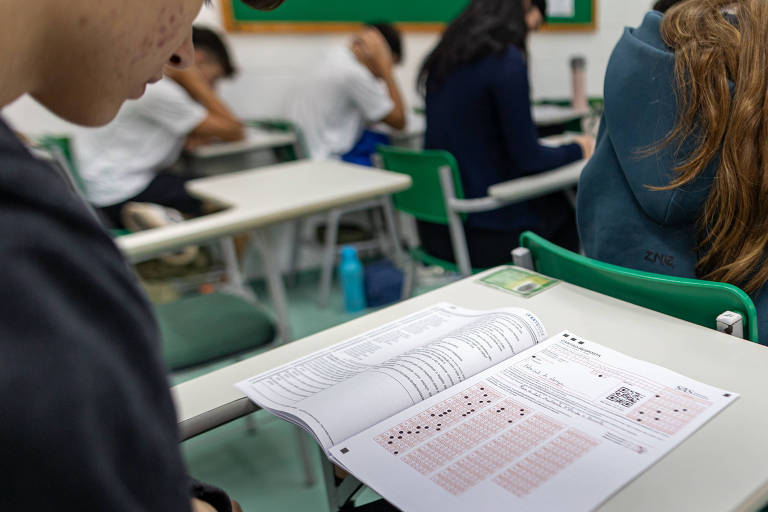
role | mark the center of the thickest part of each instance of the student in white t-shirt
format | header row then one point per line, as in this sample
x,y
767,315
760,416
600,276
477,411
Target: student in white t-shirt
x,y
124,161
348,89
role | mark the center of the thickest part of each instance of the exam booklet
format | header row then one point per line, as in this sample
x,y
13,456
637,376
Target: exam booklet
x,y
455,409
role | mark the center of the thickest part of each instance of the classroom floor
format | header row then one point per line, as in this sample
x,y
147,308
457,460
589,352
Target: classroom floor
x,y
262,469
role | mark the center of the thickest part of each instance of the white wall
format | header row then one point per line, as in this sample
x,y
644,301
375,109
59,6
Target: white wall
x,y
270,64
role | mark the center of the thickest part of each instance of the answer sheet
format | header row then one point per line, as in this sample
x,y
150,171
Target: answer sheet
x,y
562,426
338,392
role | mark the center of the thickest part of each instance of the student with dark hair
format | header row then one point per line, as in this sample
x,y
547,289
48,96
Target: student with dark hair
x,y
123,163
478,108
678,182
348,89
87,419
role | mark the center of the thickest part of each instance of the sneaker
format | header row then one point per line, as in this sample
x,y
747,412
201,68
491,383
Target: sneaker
x,y
143,216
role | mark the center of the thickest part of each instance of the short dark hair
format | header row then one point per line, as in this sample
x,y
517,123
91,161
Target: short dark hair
x,y
664,5
542,5
208,41
263,5
392,36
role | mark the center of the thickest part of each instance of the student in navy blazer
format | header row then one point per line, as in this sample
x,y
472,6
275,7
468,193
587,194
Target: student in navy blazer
x,y
478,108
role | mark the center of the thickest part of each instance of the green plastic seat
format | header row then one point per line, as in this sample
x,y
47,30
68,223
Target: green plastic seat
x,y
204,329
693,300
425,200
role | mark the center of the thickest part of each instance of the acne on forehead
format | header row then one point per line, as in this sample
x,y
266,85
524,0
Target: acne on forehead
x,y
166,27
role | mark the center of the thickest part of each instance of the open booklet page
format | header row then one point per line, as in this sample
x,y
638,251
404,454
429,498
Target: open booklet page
x,y
562,426
340,391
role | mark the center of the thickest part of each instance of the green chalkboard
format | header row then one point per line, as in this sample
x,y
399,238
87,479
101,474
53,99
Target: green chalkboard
x,y
337,15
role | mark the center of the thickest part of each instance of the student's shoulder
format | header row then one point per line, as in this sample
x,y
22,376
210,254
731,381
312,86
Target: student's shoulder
x,y
345,65
512,59
503,67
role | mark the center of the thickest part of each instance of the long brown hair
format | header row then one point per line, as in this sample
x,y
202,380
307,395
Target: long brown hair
x,y
712,51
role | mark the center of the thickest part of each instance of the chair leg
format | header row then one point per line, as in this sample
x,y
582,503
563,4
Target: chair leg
x,y
329,255
306,460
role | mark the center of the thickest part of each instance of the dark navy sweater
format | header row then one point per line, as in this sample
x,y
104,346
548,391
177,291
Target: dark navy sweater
x,y
86,421
481,113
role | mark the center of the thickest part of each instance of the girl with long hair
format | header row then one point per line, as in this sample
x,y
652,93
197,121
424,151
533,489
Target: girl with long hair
x,y
678,184
478,108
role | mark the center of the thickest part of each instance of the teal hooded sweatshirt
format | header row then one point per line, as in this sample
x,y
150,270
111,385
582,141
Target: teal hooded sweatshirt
x,y
621,219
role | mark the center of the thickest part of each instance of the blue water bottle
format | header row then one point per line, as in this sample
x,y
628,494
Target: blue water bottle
x,y
351,273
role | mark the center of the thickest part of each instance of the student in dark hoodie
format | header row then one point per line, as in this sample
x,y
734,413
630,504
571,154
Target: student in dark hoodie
x,y
479,109
86,422
678,184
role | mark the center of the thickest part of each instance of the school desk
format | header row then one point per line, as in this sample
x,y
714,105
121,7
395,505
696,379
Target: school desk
x,y
254,200
221,157
721,467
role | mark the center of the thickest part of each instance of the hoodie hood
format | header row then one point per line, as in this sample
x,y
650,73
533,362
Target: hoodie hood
x,y
640,111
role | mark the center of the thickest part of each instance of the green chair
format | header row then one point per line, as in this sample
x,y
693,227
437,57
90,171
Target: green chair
x,y
435,196
693,300
204,329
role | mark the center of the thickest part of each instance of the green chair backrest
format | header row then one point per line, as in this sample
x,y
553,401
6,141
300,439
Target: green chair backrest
x,y
62,145
696,301
290,153
424,200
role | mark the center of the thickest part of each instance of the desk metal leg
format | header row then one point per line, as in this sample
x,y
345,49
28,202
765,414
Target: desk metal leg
x,y
235,280
337,493
304,447
391,220
274,278
298,229
329,256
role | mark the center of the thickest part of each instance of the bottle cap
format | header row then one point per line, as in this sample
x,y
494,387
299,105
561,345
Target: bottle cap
x,y
348,252
578,62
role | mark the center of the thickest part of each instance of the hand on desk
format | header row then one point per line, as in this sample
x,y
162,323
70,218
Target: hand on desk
x,y
587,144
195,141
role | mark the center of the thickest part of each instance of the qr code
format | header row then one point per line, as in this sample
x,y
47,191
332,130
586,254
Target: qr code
x,y
625,396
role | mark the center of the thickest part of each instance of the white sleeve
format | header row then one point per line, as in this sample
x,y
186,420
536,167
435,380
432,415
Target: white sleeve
x,y
168,104
370,95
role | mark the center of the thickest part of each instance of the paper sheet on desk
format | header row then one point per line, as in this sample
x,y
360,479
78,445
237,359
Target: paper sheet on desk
x,y
562,426
344,389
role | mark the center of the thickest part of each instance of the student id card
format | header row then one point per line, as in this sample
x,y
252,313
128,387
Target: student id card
x,y
519,282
